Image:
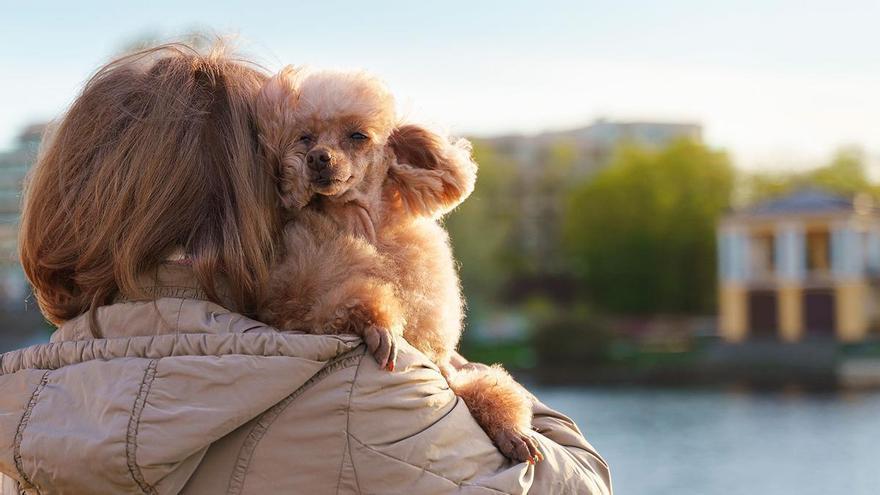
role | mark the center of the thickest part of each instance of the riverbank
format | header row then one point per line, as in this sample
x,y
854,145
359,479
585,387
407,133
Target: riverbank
x,y
811,365
818,364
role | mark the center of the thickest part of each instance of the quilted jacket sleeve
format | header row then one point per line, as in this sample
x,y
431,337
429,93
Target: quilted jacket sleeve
x,y
574,463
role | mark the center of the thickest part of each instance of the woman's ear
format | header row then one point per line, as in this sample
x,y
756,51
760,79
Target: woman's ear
x,y
431,175
274,115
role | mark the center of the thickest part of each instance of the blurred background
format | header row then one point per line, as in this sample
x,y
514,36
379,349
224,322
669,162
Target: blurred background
x,y
675,235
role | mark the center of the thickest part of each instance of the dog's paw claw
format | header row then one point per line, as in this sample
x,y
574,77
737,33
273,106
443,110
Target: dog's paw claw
x,y
382,343
519,446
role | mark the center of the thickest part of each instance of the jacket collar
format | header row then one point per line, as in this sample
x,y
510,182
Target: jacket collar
x,y
173,303
170,279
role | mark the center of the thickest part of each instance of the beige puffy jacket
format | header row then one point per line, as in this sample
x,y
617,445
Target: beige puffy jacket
x,y
183,396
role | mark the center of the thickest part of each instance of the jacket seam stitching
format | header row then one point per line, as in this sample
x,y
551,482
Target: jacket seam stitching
x,y
347,445
424,469
168,291
22,424
134,422
591,453
442,417
46,356
258,431
177,322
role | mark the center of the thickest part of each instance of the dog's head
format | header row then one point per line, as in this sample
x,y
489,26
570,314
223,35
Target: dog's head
x,y
335,135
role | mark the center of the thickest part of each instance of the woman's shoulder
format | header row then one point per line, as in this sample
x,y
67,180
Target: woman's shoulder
x,y
408,424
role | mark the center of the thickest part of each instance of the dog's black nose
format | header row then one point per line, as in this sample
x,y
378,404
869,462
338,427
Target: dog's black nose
x,y
318,159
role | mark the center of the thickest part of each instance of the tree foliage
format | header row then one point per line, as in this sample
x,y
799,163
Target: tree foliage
x,y
641,234
845,174
481,228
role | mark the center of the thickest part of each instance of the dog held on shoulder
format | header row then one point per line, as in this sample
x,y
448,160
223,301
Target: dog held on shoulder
x,y
365,253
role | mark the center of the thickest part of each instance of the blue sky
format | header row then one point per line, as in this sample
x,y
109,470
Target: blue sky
x,y
777,83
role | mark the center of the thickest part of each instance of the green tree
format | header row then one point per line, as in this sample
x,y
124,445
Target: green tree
x,y
542,190
481,229
844,174
491,240
641,234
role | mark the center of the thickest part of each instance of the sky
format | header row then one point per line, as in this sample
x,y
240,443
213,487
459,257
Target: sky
x,y
778,84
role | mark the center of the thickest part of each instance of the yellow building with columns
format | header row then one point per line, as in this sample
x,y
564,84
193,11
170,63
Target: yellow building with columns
x,y
803,266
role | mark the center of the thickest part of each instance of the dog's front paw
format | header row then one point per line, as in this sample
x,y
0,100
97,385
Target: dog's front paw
x,y
382,344
517,445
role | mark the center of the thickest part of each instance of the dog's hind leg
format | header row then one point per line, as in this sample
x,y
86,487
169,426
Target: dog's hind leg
x,y
500,405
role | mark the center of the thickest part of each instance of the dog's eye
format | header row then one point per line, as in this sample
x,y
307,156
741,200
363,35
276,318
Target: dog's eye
x,y
358,136
305,138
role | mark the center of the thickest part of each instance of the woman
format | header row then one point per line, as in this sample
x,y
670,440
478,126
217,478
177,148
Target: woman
x,y
148,228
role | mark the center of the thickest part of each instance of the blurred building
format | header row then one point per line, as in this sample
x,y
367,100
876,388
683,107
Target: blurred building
x,y
594,144
806,265
14,165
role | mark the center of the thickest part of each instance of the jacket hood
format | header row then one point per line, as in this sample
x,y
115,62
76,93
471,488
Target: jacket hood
x,y
107,415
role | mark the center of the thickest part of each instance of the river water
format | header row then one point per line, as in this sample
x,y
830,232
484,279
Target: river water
x,y
662,441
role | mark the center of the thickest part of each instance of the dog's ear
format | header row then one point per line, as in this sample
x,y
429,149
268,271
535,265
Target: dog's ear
x,y
431,174
274,115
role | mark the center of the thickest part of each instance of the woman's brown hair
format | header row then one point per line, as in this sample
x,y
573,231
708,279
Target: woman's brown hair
x,y
157,153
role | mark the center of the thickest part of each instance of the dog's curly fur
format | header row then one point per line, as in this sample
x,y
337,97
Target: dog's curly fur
x,y
365,252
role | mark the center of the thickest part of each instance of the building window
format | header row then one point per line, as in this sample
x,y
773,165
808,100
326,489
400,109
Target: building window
x,y
763,256
818,252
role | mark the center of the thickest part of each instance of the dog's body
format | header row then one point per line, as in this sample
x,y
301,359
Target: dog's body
x,y
365,253
335,279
